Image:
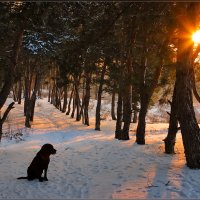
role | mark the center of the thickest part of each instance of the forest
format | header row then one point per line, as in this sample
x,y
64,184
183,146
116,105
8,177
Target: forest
x,y
79,50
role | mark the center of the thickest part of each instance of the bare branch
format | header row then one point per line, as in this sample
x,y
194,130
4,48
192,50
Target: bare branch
x,y
169,113
6,112
169,102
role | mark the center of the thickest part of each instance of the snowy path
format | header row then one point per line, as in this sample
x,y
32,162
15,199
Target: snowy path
x,y
95,166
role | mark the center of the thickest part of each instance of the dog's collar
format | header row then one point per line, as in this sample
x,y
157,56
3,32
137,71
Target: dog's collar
x,y
44,157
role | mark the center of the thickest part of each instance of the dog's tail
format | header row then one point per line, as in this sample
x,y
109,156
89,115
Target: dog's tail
x,y
22,177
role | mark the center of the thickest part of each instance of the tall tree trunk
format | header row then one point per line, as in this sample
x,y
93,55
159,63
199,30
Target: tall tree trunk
x,y
31,102
65,99
77,99
28,113
33,97
135,109
113,106
60,99
123,108
140,132
98,108
73,106
82,109
49,94
146,92
14,90
20,92
186,116
87,98
126,111
185,111
83,102
53,94
173,126
144,99
118,129
78,114
56,103
70,100
127,99
26,93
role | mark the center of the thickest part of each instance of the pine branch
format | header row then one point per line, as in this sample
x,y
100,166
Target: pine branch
x,y
115,19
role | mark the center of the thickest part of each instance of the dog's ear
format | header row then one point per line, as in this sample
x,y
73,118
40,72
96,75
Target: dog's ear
x,y
44,149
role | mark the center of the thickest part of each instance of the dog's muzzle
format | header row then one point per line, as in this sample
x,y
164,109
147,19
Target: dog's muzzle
x,y
54,151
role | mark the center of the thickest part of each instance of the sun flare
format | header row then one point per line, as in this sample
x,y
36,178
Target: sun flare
x,y
196,37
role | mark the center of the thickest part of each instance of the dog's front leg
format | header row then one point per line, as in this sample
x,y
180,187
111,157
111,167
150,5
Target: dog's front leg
x,y
45,174
41,179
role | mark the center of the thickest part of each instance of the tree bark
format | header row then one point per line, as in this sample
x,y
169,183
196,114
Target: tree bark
x,y
27,92
83,101
146,92
49,94
113,106
135,109
65,99
127,98
70,100
14,90
30,106
87,98
19,95
144,99
185,111
98,108
73,106
60,96
28,114
140,132
77,99
52,101
118,129
186,116
127,112
33,97
29,72
173,126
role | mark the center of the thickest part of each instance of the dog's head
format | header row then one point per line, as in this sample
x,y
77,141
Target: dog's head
x,y
48,149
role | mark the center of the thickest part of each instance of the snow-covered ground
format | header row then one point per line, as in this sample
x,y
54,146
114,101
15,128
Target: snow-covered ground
x,y
95,165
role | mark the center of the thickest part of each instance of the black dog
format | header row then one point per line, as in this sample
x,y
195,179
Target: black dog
x,y
40,163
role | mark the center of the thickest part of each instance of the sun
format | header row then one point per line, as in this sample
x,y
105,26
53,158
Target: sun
x,y
196,37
